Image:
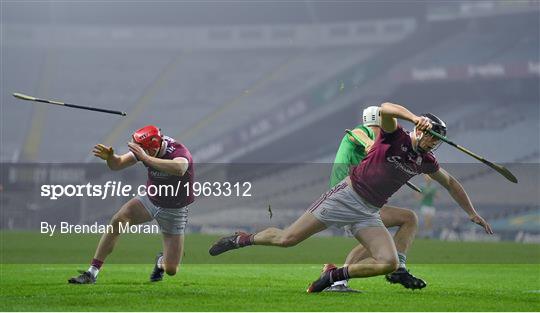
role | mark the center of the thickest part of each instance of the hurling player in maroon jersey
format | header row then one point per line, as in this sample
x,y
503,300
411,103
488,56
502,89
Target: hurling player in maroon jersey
x,y
169,163
396,156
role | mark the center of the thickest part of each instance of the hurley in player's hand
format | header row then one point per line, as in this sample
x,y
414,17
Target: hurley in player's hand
x,y
482,222
138,151
103,152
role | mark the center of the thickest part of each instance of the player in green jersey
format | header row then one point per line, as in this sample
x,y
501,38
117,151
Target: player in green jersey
x,y
350,153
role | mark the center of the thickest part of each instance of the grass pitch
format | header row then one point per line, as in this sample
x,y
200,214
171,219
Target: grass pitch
x,y
33,277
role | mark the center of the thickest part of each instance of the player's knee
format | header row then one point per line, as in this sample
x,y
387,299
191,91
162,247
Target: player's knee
x,y
117,220
391,264
171,270
410,218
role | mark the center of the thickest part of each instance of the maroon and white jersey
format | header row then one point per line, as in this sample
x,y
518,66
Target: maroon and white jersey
x,y
184,196
390,163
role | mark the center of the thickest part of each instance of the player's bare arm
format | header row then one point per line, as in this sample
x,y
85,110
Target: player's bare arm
x,y
390,112
458,193
176,166
114,162
364,141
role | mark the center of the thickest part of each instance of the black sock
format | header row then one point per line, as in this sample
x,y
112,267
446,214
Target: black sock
x,y
338,274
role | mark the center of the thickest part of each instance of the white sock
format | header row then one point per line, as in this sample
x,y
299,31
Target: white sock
x,y
341,282
93,270
160,262
402,259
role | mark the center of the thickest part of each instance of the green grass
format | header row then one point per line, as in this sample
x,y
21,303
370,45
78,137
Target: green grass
x,y
33,277
26,247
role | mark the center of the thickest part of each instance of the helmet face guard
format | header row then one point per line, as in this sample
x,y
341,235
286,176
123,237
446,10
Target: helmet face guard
x,y
148,137
438,126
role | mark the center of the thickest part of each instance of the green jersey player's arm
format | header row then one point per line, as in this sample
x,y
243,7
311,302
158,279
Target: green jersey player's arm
x,y
390,112
363,135
459,194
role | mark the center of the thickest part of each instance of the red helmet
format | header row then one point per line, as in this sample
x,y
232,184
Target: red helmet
x,y
148,137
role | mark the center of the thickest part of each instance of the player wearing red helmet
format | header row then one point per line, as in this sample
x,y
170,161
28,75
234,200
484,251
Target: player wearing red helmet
x,y
149,138
169,163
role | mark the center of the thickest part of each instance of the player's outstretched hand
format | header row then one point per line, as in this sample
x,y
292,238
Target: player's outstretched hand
x,y
103,152
482,222
138,151
422,123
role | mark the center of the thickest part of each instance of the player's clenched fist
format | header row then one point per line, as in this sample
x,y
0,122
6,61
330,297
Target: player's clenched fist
x,y
103,152
422,123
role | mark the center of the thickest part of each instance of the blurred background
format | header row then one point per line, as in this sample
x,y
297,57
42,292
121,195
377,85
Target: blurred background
x,y
262,91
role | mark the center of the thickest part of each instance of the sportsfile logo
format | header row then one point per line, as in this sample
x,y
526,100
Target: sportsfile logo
x,y
109,189
119,189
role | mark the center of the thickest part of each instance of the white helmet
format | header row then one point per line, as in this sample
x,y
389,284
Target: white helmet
x,y
371,116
